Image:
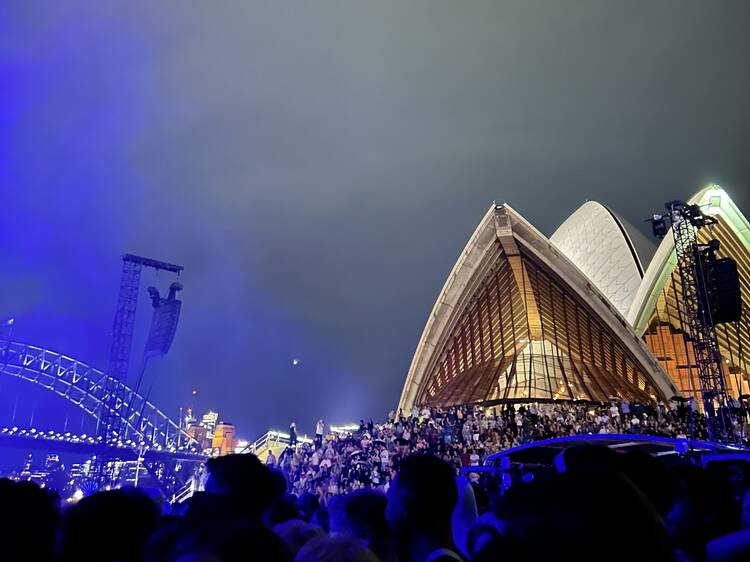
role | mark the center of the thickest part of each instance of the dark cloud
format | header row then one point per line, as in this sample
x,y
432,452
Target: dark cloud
x,y
317,167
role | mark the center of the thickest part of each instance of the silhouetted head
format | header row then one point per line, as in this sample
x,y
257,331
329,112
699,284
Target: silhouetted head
x,y
111,525
28,521
480,536
171,530
704,509
588,458
647,472
205,509
579,516
248,483
320,518
653,478
335,549
233,543
283,509
422,496
296,533
308,504
360,515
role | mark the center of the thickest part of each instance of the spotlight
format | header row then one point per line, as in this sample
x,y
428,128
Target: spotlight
x,y
659,225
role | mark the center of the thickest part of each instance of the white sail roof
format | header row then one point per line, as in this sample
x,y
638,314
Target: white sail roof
x,y
597,242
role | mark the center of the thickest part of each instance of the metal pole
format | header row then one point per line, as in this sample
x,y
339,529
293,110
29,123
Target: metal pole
x,y
138,464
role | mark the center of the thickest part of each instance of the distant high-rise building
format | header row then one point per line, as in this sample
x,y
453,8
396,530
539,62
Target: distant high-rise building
x,y
80,470
200,434
224,439
52,462
209,422
27,465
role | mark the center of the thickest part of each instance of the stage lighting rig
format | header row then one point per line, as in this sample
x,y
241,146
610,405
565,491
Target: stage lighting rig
x,y
697,268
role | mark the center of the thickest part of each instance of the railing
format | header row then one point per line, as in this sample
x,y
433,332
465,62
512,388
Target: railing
x,y
185,493
272,438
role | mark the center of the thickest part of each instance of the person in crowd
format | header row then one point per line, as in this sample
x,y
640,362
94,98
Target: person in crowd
x,y
581,515
293,435
244,486
704,509
108,525
234,542
464,436
308,505
296,533
480,537
320,427
360,515
282,510
391,491
270,458
29,518
465,514
335,549
421,501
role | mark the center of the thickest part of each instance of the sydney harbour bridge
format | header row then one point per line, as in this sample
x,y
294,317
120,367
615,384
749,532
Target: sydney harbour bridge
x,y
129,427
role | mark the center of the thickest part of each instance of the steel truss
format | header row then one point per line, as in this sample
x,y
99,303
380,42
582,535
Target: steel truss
x,y
89,388
698,327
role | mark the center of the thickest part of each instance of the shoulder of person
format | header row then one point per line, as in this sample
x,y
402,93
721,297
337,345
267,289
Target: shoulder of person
x,y
445,555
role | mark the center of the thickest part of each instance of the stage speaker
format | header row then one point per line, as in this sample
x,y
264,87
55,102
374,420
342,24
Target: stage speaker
x,y
726,300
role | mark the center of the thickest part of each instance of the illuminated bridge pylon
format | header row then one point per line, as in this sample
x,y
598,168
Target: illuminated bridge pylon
x,y
87,387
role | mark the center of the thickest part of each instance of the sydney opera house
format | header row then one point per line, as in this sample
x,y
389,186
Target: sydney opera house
x,y
589,313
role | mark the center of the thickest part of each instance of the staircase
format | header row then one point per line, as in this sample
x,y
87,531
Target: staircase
x,y
274,441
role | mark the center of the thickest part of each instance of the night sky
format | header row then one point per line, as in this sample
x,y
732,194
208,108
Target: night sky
x,y
318,166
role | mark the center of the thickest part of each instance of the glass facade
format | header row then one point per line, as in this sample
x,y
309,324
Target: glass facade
x,y
525,335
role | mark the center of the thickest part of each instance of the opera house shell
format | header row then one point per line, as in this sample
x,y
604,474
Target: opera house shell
x,y
587,314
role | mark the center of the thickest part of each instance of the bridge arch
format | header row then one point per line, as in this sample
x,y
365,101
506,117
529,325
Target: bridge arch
x,y
84,386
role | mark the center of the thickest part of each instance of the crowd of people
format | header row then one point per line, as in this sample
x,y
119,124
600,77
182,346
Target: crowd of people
x,y
393,492
463,436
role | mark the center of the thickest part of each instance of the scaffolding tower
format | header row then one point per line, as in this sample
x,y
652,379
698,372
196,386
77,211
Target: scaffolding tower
x,y
110,422
698,325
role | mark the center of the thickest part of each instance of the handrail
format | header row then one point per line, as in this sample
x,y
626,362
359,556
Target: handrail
x,y
273,435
